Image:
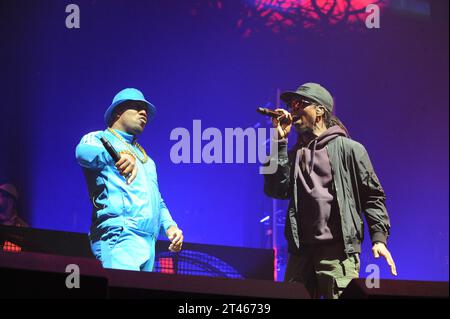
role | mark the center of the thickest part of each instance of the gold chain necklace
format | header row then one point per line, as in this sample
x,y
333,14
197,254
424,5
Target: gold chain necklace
x,y
143,160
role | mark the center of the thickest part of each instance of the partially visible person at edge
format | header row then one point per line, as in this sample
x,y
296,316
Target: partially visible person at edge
x,y
9,197
128,210
330,183
9,215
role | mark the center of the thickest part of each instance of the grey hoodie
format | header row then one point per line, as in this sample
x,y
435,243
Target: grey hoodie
x,y
318,210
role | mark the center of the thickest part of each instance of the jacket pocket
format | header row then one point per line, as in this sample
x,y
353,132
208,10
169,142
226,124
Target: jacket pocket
x,y
357,223
356,218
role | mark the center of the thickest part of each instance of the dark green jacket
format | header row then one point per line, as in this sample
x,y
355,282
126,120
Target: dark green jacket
x,y
358,191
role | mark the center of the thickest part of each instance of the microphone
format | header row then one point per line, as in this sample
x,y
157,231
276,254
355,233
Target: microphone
x,y
110,149
274,114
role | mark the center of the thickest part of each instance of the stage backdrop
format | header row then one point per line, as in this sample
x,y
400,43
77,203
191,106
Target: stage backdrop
x,y
216,61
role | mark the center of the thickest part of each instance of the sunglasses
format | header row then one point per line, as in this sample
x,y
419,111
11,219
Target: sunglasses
x,y
138,106
300,103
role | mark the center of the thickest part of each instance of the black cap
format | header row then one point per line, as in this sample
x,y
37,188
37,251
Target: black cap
x,y
311,91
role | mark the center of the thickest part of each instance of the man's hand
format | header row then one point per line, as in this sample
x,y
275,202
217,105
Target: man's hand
x,y
175,236
380,249
283,129
127,167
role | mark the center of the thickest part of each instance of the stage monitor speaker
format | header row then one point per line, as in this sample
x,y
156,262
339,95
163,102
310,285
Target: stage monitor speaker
x,y
129,284
33,275
22,283
389,289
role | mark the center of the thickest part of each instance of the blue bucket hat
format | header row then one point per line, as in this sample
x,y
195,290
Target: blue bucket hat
x,y
129,94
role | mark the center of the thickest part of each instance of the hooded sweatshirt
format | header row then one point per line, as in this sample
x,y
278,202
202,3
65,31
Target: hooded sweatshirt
x,y
318,210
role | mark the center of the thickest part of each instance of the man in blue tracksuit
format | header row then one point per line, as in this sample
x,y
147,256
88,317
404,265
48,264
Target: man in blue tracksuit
x,y
128,210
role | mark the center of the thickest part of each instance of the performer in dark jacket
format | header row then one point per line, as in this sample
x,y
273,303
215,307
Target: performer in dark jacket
x,y
330,183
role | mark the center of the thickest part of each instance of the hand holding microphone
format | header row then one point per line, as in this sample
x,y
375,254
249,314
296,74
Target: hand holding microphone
x,y
283,123
127,167
125,161
281,119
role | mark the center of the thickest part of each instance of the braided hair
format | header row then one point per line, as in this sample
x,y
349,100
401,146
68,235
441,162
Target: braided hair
x,y
331,120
